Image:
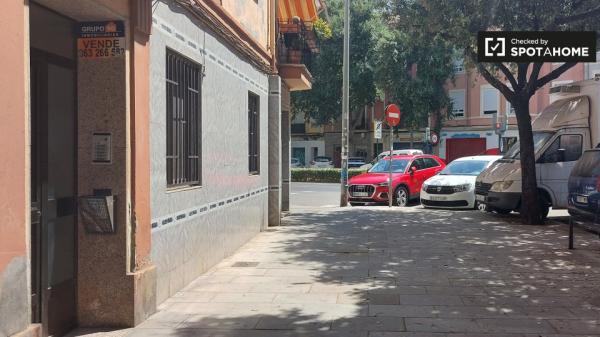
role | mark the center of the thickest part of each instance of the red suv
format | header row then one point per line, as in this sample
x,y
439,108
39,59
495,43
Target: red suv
x,y
408,174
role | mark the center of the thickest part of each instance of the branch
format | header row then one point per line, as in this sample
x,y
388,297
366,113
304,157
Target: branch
x,y
506,92
509,75
522,75
533,77
554,74
577,17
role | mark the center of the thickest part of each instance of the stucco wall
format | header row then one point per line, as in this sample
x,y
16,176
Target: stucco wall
x,y
252,15
195,228
14,270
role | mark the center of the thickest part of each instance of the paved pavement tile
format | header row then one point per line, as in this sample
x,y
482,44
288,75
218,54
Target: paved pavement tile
x,y
404,272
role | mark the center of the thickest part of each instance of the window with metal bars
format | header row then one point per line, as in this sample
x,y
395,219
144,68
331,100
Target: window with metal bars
x,y
253,134
184,111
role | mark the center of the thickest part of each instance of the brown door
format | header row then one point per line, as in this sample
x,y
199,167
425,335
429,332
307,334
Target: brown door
x,y
463,147
53,233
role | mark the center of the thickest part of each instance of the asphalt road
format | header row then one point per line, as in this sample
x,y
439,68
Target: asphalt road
x,y
311,195
319,195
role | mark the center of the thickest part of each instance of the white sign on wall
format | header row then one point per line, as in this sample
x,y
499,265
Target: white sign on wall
x,y
378,129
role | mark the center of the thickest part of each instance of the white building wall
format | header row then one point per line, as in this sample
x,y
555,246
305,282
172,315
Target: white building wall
x,y
195,228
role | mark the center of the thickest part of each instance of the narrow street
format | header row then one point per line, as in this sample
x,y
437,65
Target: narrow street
x,y
371,271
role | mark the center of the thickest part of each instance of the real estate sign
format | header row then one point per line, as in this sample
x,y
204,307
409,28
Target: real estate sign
x,y
100,39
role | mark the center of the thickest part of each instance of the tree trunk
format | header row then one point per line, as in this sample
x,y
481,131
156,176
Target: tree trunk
x,y
531,212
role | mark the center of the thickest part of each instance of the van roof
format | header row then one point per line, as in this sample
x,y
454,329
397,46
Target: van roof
x,y
568,112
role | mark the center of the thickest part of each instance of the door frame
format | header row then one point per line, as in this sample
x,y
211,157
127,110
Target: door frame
x,y
40,301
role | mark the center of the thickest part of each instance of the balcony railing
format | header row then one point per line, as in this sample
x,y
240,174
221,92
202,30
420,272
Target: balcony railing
x,y
297,41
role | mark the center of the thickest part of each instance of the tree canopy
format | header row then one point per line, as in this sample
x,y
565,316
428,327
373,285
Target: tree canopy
x,y
324,102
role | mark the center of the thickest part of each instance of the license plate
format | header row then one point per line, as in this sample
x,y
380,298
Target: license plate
x,y
582,199
480,197
436,198
360,194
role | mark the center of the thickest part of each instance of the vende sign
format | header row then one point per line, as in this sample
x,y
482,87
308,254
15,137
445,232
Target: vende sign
x,y
101,39
392,115
536,46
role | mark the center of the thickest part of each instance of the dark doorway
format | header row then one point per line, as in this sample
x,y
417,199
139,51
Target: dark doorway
x,y
53,183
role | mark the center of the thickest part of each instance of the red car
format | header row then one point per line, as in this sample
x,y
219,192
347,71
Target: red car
x,y
408,174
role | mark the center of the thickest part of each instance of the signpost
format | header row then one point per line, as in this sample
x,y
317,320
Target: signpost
x,y
392,118
378,129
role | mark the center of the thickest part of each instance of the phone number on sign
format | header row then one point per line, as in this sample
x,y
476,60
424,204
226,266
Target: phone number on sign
x,y
100,52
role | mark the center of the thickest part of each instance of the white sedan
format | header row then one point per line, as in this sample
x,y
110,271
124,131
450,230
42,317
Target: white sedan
x,y
454,186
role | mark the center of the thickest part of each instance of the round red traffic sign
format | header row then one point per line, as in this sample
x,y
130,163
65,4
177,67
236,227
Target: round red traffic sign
x,y
434,138
392,115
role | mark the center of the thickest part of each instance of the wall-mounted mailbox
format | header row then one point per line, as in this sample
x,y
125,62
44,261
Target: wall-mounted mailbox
x,y
97,213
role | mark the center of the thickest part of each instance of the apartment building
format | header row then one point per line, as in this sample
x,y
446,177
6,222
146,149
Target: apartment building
x,y
470,130
147,141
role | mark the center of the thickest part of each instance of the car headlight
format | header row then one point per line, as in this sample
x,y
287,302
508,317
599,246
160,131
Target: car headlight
x,y
501,186
425,186
462,188
385,183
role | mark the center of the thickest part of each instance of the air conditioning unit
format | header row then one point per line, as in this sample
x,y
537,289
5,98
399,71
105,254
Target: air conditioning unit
x,y
565,89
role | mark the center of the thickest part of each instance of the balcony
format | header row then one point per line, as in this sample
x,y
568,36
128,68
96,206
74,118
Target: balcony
x,y
295,45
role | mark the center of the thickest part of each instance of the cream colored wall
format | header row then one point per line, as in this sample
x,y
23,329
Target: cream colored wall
x,y
252,15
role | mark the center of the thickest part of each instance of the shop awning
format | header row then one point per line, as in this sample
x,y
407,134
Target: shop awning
x,y
306,10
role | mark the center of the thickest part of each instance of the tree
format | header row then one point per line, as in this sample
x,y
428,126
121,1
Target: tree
x,y
413,66
459,22
324,102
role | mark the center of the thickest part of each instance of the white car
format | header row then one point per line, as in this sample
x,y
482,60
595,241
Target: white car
x,y
295,163
454,186
321,162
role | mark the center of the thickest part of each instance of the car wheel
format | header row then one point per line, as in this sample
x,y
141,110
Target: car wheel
x,y
482,207
401,196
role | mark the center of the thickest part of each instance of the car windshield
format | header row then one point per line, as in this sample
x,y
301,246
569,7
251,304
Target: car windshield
x,y
539,139
382,166
588,166
322,159
465,167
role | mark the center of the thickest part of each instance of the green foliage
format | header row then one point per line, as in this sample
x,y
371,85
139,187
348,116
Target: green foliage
x,y
323,29
324,102
413,65
310,175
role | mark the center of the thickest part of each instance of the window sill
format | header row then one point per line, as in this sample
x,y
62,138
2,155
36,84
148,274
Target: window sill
x,y
182,188
254,174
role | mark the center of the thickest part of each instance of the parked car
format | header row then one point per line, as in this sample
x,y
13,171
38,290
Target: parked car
x,y
408,174
354,162
561,132
454,186
584,188
321,162
410,152
295,162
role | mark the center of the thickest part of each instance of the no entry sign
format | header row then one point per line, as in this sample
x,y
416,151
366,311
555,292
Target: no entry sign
x,y
392,115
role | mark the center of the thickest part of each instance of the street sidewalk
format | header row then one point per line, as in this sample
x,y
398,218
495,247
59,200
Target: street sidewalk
x,y
379,272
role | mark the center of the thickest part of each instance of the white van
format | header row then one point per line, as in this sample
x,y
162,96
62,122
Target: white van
x,y
561,132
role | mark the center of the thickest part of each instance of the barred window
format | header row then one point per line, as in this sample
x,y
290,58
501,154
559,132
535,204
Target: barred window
x,y
253,134
184,147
